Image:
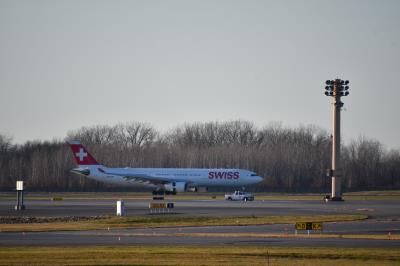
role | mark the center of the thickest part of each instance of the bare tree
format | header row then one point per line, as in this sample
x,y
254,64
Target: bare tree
x,y
289,159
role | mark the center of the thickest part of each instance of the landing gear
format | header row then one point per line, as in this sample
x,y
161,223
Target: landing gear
x,y
170,192
158,192
164,192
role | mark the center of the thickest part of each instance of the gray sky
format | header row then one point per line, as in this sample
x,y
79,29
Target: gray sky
x,y
67,64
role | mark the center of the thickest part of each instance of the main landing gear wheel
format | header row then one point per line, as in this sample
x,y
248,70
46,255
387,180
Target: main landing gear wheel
x,y
158,192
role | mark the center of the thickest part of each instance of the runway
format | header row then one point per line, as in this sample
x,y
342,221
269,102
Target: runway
x,y
384,218
377,209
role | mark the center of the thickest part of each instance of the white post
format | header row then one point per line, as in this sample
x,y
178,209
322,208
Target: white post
x,y
20,196
120,208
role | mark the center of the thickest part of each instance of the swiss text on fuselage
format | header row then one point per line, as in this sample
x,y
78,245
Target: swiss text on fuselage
x,y
223,175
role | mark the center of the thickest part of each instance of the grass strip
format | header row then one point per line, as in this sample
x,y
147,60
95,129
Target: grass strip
x,y
197,255
362,195
172,221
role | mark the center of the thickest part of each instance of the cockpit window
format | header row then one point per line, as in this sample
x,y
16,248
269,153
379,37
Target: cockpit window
x,y
253,174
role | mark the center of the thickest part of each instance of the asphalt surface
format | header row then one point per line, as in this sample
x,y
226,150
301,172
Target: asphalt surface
x,y
380,209
384,219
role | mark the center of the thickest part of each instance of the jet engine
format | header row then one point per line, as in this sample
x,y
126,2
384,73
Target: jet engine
x,y
196,189
175,187
192,189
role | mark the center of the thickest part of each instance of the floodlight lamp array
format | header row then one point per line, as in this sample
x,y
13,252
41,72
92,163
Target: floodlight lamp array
x,y
337,87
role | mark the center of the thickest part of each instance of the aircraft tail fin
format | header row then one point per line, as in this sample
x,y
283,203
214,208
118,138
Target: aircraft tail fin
x,y
81,155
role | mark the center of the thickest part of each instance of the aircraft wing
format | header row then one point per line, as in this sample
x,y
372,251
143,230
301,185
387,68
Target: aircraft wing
x,y
145,178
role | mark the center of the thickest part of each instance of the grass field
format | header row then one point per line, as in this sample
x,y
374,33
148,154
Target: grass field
x,y
156,221
195,255
171,221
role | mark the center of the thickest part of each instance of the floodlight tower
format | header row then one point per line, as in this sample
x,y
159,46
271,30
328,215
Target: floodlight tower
x,y
336,89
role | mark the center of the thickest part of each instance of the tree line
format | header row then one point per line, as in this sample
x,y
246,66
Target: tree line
x,y
289,159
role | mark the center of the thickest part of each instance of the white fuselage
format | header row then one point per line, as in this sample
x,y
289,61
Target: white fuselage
x,y
161,179
190,176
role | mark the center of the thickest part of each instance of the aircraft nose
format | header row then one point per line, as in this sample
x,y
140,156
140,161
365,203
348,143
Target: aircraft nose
x,y
258,179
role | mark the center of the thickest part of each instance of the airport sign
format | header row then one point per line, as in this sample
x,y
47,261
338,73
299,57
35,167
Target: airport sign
x,y
309,226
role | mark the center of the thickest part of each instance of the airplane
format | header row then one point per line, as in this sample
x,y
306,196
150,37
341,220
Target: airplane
x,y
161,180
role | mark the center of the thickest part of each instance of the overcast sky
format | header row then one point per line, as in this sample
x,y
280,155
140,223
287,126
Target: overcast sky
x,y
68,64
